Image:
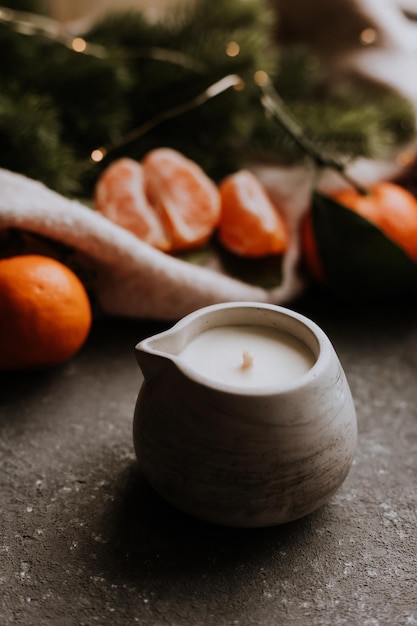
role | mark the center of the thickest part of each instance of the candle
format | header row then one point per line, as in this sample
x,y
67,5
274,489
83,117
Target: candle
x,y
245,417
248,356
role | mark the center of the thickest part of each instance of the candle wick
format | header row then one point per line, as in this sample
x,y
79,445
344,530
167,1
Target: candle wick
x,y
247,360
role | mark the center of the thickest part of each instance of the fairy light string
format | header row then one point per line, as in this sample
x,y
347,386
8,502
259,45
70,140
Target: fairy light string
x,y
225,83
34,25
271,102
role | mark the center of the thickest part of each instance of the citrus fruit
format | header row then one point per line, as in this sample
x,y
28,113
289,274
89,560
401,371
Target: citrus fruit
x,y
185,198
45,312
250,225
310,252
120,196
388,206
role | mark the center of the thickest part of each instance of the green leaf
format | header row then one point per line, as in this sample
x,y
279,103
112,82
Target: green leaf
x,y
359,261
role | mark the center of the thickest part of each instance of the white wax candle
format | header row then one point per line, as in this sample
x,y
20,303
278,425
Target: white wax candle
x,y
248,356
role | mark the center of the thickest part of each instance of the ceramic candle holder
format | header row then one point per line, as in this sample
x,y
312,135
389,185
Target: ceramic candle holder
x,y
241,450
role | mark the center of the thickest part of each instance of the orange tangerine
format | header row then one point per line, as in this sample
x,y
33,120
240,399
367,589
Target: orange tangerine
x,y
388,206
310,252
185,198
250,225
45,312
120,196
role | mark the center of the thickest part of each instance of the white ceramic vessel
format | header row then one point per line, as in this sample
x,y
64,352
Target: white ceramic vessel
x,y
236,456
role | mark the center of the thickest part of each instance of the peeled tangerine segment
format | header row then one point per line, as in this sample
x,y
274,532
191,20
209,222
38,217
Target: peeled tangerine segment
x,y
186,199
120,196
250,225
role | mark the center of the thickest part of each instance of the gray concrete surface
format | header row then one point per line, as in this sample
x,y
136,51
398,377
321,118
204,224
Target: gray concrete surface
x,y
85,541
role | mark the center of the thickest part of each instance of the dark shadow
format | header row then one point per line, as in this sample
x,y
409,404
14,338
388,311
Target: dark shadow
x,y
161,563
19,387
120,335
390,320
152,539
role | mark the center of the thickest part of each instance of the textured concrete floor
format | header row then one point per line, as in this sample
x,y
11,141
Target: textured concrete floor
x,y
85,541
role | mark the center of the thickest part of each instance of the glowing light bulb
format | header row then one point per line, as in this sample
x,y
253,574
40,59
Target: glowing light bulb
x,y
261,78
368,36
98,155
232,49
78,44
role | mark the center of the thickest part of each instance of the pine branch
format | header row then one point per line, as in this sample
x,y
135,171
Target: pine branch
x,y
56,106
30,128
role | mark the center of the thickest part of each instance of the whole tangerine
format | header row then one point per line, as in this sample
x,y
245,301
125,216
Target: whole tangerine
x,y
388,206
45,312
